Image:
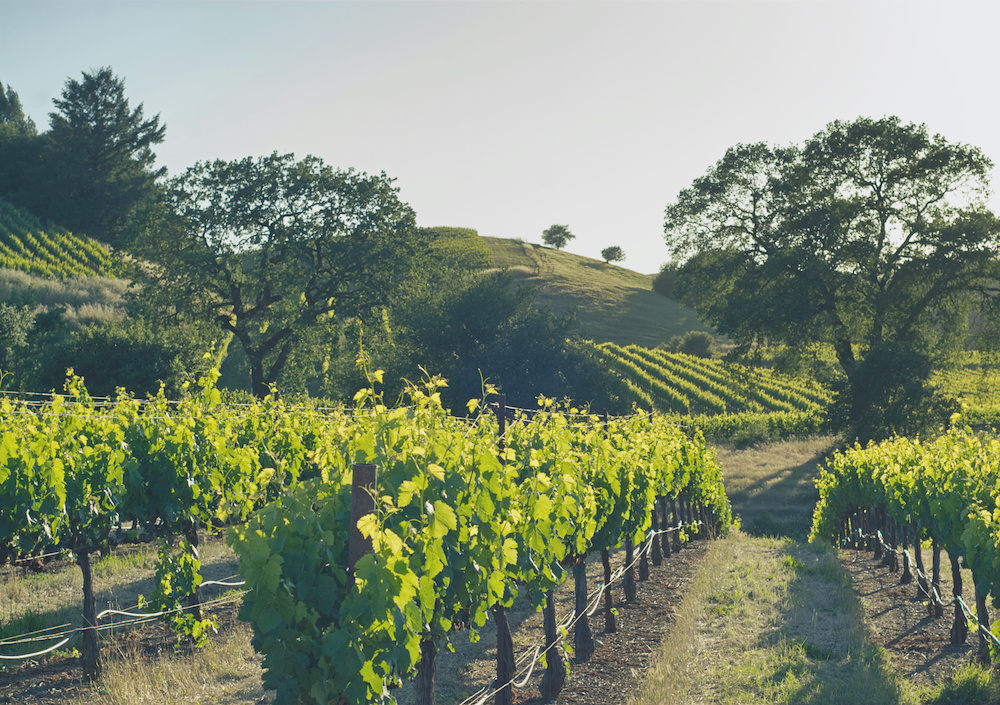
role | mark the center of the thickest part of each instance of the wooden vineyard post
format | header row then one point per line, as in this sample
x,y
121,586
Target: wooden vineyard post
x,y
665,537
362,504
676,522
583,638
609,616
876,528
91,655
936,577
555,671
657,553
505,642
960,628
923,589
630,591
983,654
907,577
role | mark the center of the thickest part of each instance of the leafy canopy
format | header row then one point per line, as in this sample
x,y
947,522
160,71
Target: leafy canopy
x,y
872,232
272,248
612,254
557,236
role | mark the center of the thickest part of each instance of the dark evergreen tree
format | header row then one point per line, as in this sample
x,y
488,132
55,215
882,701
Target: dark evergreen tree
x,y
98,160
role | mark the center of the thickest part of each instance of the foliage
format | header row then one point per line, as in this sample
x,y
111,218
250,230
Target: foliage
x,y
271,248
557,236
612,254
696,342
95,166
177,576
872,232
891,396
665,281
131,354
467,328
459,249
13,121
15,324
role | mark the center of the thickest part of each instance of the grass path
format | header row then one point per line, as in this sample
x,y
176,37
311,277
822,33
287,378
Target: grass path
x,y
770,618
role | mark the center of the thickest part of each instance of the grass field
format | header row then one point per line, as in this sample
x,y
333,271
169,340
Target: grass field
x,y
612,304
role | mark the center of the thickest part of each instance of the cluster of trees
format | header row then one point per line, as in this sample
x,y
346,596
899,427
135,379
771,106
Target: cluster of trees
x,y
286,268
872,238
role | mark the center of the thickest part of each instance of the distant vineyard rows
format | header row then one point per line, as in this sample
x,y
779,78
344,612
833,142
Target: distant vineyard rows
x,y
27,245
682,384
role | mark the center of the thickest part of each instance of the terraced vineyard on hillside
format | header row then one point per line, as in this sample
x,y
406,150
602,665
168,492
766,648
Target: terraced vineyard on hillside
x,y
27,245
683,384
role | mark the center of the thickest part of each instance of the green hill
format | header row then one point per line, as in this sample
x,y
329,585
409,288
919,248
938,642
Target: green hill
x,y
28,245
612,304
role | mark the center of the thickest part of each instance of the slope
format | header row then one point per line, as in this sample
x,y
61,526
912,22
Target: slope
x,y
27,245
612,304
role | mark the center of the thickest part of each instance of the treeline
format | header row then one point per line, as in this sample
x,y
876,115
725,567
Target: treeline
x,y
285,270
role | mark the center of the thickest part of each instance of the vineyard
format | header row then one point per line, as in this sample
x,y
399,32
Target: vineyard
x,y
27,245
894,496
683,384
464,515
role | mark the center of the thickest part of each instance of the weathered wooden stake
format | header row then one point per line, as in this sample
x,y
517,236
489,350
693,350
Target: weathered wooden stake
x,y
555,670
959,628
362,503
610,627
583,639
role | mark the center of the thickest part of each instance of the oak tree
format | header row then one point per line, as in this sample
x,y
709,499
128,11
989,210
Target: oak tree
x,y
272,248
557,236
872,237
612,254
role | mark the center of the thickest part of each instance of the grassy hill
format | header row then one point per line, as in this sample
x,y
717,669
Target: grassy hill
x,y
612,304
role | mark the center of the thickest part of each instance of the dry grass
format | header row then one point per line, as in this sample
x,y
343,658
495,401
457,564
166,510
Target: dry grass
x,y
771,621
772,487
30,601
226,671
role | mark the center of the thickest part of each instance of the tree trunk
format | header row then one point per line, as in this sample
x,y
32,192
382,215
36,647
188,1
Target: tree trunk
x,y
907,577
194,599
983,654
555,671
583,639
644,563
877,530
677,521
505,658
657,553
960,628
666,537
936,578
609,616
923,589
424,682
629,570
91,656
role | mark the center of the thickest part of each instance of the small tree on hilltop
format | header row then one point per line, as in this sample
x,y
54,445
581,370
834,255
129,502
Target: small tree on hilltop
x,y
557,236
612,254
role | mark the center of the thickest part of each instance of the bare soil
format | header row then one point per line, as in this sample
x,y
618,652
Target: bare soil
x,y
898,618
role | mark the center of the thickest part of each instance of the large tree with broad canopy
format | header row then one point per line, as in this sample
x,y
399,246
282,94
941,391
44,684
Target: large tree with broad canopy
x,y
872,237
272,247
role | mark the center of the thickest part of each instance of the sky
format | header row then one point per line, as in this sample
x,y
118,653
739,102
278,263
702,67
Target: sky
x,y
508,117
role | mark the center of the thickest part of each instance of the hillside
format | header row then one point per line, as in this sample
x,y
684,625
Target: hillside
x,y
612,304
28,245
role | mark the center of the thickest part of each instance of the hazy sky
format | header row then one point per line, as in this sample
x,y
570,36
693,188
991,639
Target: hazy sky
x,y
508,117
